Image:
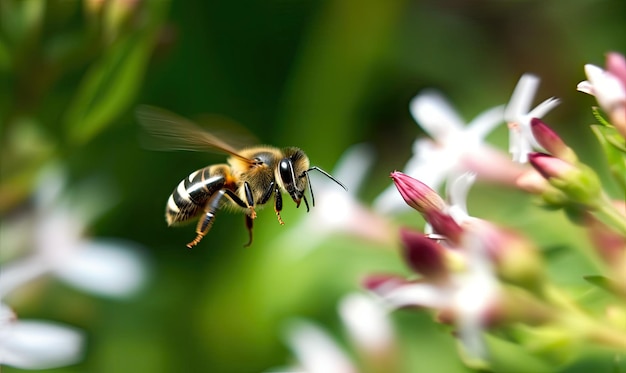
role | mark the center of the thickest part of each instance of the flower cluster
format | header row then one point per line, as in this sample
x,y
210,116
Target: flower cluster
x,y
490,283
485,279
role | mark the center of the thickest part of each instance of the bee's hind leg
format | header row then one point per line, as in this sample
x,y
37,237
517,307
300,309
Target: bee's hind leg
x,y
206,221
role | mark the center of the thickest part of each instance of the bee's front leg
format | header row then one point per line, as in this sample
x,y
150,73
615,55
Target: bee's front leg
x,y
278,205
249,199
278,200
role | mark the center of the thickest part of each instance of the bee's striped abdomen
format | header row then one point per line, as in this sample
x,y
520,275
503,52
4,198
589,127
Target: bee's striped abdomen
x,y
188,199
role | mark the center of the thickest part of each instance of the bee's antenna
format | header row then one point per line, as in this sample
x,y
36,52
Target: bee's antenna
x,y
306,174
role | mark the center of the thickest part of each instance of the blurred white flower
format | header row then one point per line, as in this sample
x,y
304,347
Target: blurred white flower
x,y
58,245
609,88
37,344
338,211
366,321
315,350
518,115
368,326
453,148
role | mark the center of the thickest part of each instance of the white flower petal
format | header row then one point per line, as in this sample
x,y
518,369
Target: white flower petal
x,y
435,115
367,323
420,294
543,108
458,189
315,349
39,345
586,87
18,273
607,88
352,167
477,291
522,97
108,268
486,122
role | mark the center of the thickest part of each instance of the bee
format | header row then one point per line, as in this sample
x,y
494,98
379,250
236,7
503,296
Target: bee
x,y
251,176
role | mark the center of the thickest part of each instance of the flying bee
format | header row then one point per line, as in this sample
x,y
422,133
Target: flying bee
x,y
248,180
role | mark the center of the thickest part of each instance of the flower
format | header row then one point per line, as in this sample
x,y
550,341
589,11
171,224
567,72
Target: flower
x,y
453,148
369,329
105,267
315,350
609,88
468,295
518,116
467,291
37,344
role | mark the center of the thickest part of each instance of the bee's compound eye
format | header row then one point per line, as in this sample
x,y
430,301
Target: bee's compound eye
x,y
285,169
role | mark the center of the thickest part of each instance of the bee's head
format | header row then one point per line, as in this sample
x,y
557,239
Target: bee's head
x,y
292,174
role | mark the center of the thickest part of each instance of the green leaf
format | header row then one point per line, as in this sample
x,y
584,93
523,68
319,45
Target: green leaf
x,y
596,113
111,84
601,282
108,89
615,151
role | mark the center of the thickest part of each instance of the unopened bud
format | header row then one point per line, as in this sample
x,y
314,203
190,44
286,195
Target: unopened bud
x,y
579,183
550,141
417,194
424,255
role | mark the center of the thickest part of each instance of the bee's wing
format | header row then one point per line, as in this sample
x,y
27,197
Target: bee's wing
x,y
172,132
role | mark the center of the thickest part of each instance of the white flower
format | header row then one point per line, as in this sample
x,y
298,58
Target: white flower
x,y
468,295
59,246
609,88
367,324
37,344
606,87
453,148
315,350
518,116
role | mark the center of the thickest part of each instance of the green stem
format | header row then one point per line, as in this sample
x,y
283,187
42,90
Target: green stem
x,y
608,214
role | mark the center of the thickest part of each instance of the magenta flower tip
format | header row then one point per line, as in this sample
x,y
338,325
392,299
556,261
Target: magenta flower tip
x,y
417,194
422,254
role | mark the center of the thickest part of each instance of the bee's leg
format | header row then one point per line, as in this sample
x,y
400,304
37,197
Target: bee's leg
x,y
249,199
267,194
249,222
206,221
278,205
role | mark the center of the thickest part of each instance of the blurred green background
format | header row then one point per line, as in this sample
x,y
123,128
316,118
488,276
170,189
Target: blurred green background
x,y
318,74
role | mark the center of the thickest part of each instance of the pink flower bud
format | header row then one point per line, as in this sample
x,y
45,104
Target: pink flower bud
x,y
417,194
423,255
579,183
550,141
549,166
445,225
382,283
